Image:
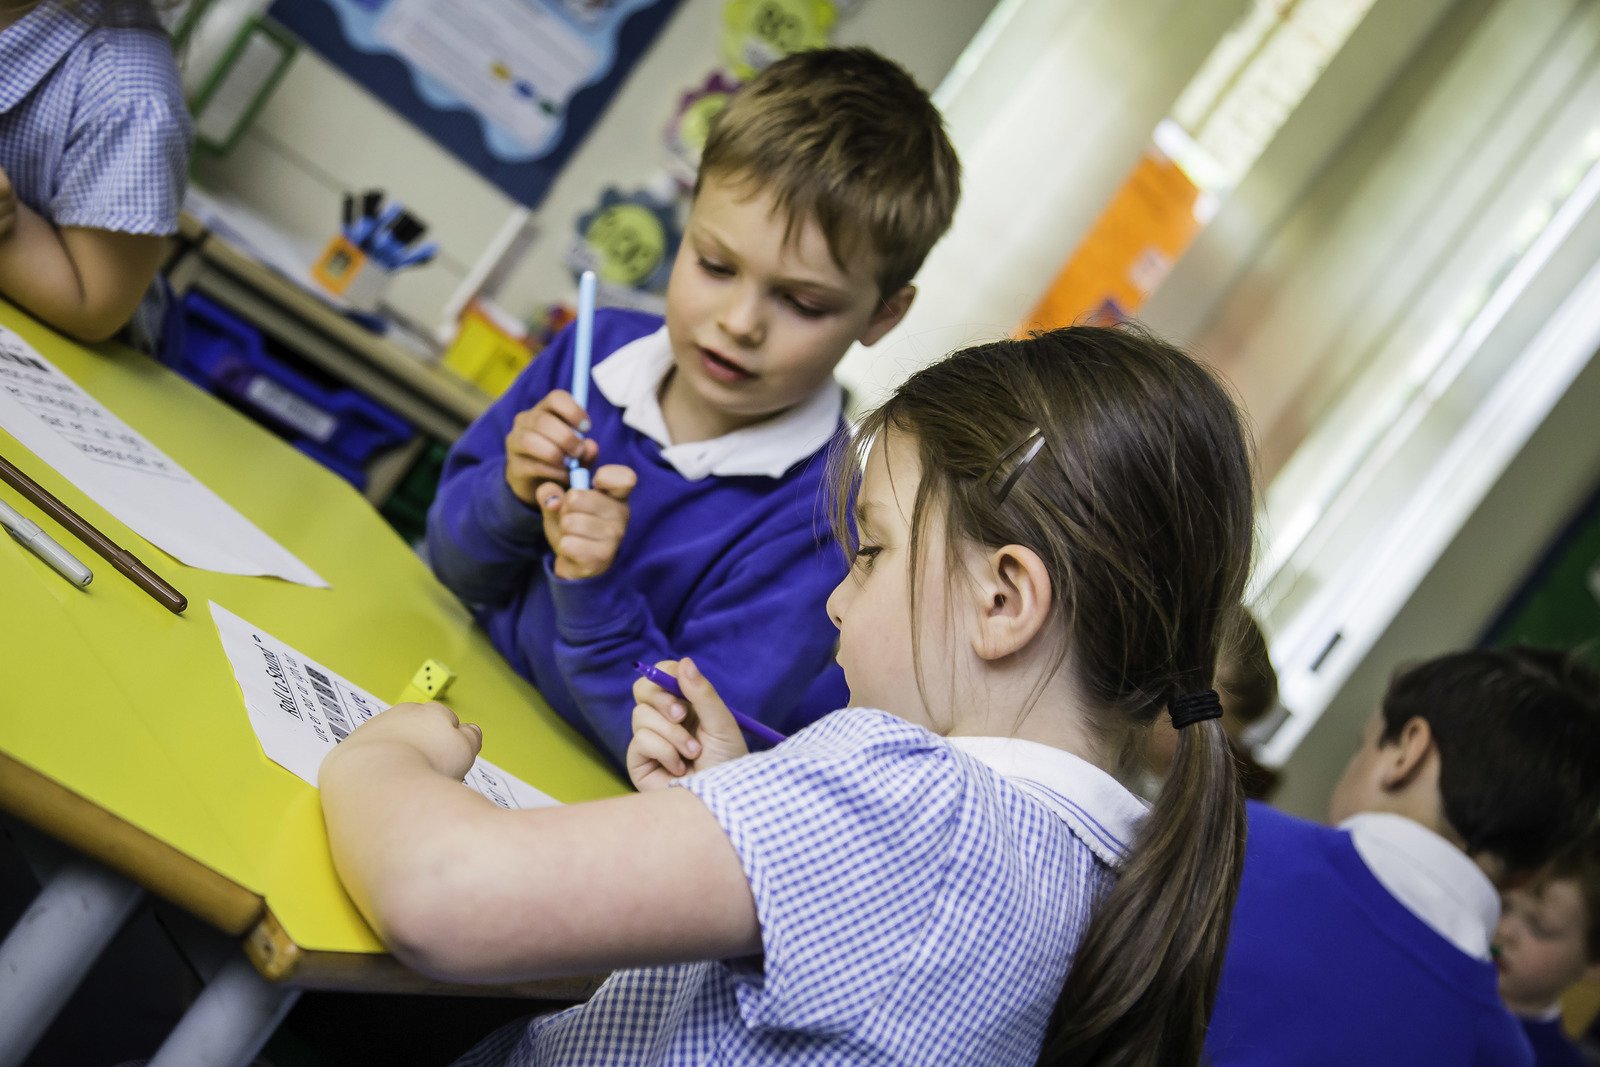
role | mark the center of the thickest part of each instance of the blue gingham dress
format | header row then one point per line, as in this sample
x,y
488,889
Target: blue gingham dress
x,y
93,128
919,897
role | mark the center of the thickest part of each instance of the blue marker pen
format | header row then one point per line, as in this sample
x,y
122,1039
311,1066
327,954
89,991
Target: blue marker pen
x,y
380,239
583,346
758,730
423,253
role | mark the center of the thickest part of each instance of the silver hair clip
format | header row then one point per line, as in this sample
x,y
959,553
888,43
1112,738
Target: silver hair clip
x,y
1024,451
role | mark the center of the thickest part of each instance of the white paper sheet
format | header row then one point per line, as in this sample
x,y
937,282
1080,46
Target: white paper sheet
x,y
300,710
127,475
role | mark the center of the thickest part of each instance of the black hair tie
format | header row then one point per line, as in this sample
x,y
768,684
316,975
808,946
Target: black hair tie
x,y
1196,707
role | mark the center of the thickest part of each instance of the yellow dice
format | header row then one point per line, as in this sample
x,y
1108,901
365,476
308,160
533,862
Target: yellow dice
x,y
429,683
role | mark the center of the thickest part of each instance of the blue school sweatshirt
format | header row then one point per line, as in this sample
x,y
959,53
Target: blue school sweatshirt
x,y
733,571
1551,1045
1325,967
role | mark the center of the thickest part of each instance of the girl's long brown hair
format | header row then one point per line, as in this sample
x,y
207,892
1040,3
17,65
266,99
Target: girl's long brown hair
x,y
1139,504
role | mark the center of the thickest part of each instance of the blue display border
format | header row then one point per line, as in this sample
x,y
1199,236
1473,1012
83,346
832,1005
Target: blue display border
x,y
527,182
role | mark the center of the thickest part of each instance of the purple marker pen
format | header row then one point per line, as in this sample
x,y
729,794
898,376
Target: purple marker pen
x,y
750,726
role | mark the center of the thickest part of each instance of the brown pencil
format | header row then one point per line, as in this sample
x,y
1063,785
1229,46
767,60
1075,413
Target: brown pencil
x,y
119,558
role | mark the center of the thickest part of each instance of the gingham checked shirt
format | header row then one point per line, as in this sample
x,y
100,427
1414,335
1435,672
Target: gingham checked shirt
x,y
93,129
919,897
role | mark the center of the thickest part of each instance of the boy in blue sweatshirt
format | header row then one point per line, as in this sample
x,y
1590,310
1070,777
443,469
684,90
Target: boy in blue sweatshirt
x,y
1548,941
823,185
1369,942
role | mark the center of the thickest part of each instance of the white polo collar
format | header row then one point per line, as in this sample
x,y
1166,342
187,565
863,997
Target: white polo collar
x,y
1101,812
1434,879
631,379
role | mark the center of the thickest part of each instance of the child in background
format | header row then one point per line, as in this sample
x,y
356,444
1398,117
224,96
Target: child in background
x,y
1369,943
94,148
1051,533
1248,686
1548,941
822,187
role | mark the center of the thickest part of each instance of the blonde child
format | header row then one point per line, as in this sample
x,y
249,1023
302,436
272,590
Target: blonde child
x,y
94,144
1548,940
823,184
1048,536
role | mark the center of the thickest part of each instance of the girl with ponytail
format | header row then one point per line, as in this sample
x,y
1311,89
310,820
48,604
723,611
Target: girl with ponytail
x,y
1050,537
1122,465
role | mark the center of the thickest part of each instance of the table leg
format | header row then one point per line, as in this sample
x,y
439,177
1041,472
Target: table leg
x,y
52,947
230,1021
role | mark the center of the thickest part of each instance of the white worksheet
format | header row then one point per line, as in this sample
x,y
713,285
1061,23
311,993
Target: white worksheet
x,y
127,475
300,710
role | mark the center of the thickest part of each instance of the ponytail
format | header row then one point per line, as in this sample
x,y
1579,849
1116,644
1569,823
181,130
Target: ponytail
x,y
1145,976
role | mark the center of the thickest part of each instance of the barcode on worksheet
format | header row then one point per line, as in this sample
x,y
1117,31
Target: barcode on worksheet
x,y
330,703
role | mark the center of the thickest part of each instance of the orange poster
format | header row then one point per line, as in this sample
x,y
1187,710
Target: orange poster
x,y
1127,252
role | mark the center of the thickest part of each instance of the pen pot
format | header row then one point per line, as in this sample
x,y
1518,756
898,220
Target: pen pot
x,y
348,272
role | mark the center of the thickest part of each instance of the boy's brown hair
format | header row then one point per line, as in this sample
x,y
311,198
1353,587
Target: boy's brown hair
x,y
1518,733
846,137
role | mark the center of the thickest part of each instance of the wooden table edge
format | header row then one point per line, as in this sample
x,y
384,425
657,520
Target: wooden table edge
x,y
279,959
53,809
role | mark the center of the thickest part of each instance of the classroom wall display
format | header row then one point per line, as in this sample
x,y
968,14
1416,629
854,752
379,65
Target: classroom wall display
x,y
686,133
243,78
629,238
758,33
1149,223
510,87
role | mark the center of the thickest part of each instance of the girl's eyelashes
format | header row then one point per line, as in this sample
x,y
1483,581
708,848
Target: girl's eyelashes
x,y
864,556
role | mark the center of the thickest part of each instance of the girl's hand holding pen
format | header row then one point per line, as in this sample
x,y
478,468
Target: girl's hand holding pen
x,y
674,736
430,730
541,440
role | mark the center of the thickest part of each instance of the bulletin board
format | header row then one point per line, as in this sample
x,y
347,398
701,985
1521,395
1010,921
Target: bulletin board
x,y
510,87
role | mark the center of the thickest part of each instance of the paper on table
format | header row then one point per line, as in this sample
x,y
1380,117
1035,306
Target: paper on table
x,y
127,475
300,710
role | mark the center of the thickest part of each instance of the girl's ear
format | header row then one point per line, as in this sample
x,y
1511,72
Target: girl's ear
x,y
1013,598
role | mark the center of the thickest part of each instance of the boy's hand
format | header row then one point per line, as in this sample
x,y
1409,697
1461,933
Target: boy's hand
x,y
8,205
585,526
673,737
448,744
540,441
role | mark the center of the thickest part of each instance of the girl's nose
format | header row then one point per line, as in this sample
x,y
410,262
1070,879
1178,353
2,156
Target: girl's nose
x,y
836,603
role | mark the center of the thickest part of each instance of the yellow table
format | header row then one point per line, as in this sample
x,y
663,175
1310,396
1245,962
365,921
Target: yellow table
x,y
123,732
